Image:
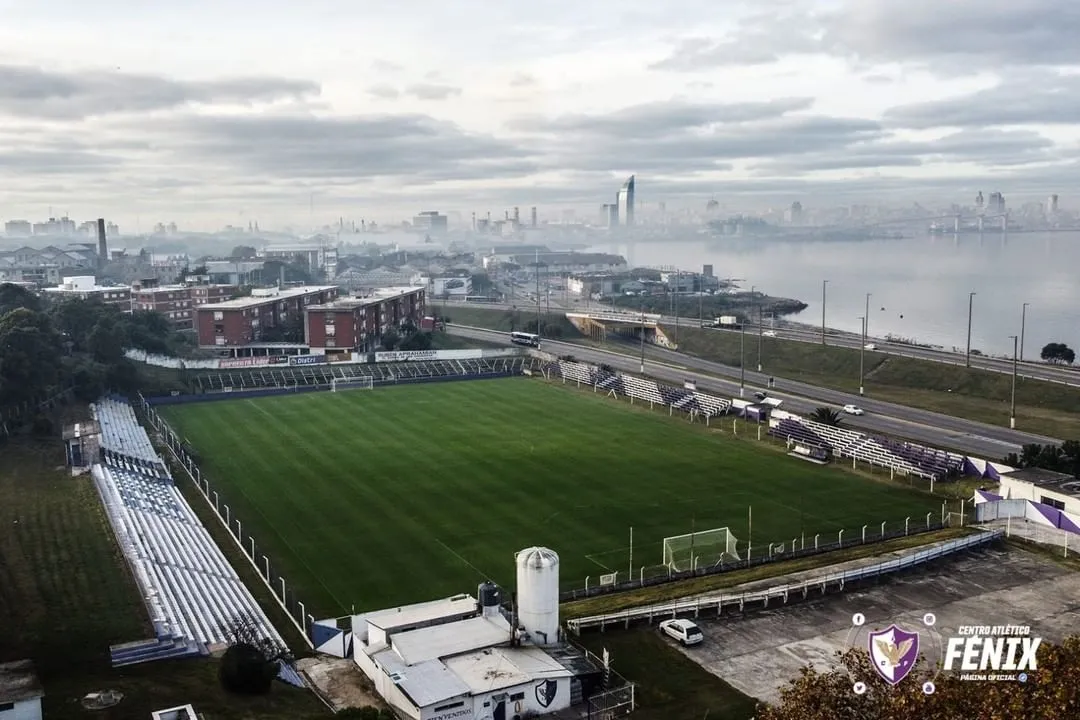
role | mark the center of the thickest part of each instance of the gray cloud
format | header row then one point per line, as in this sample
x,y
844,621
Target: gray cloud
x,y
960,36
411,148
432,91
386,66
54,162
383,92
1026,99
644,121
33,92
986,147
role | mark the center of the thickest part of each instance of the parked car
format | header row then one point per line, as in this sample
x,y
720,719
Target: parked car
x,y
682,630
769,333
853,410
871,346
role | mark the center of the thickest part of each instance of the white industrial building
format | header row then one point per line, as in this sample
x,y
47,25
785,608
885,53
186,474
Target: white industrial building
x,y
464,657
1058,490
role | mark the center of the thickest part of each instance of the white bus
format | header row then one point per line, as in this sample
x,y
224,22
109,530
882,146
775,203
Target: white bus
x,y
520,338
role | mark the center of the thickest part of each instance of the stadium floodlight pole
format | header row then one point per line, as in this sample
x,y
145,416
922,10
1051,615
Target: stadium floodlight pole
x,y
1012,400
1023,323
760,320
862,353
537,269
824,284
971,305
678,284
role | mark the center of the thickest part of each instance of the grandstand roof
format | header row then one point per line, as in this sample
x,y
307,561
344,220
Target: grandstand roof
x,y
377,296
256,300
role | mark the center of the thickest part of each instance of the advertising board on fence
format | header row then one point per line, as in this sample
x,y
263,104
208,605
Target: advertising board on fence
x,y
417,355
307,359
241,362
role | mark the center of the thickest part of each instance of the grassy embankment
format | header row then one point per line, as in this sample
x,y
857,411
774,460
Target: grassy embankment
x,y
66,595
1041,407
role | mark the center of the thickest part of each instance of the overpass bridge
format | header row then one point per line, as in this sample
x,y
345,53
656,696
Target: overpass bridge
x,y
642,326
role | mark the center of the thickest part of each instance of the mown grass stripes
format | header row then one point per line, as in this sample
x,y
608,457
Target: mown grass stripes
x,y
369,498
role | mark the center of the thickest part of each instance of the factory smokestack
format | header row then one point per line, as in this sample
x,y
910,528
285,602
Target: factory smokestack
x,y
103,245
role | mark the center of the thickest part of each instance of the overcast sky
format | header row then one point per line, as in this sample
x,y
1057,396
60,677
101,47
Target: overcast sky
x,y
220,112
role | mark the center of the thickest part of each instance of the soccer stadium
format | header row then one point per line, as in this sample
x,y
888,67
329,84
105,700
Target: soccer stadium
x,y
378,494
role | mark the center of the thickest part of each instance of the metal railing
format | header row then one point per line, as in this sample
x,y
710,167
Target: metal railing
x,y
823,583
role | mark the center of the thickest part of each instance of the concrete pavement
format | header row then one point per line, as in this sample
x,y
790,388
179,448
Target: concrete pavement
x,y
800,333
933,429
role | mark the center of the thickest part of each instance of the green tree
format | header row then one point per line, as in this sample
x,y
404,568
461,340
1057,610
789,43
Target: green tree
x,y
30,353
243,252
390,340
1064,458
1052,691
826,416
1058,353
106,342
416,341
13,297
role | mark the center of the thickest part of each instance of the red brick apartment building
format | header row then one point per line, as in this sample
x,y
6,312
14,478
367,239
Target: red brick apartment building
x,y
234,323
356,324
177,302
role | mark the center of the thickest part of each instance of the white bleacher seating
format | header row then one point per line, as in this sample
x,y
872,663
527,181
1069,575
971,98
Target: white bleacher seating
x,y
192,592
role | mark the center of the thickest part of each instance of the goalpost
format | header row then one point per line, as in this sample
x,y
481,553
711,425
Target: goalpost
x,y
704,548
364,382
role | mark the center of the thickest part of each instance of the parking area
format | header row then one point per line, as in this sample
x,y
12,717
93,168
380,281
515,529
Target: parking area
x,y
759,652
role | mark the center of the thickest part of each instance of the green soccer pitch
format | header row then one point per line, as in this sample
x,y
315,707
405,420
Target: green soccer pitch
x,y
374,498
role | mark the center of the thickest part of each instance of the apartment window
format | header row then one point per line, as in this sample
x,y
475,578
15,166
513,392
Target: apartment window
x,y
331,330
219,329
4,707
330,342
220,341
1056,504
218,315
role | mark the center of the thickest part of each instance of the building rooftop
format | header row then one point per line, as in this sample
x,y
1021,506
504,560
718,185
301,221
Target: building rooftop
x,y
453,638
426,683
420,613
261,299
570,257
19,682
1047,480
497,668
377,296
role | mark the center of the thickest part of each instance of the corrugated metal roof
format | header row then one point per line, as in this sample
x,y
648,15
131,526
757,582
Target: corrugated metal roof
x,y
441,641
426,683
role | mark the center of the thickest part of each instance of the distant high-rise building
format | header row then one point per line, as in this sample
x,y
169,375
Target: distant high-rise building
x,y
995,204
517,215
707,271
1052,204
624,201
532,218
979,200
795,214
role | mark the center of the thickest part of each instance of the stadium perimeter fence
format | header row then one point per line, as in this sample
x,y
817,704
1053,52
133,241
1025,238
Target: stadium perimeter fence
x,y
284,595
797,547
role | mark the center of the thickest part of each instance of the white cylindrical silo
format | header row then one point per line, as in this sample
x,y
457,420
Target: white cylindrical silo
x,y
538,594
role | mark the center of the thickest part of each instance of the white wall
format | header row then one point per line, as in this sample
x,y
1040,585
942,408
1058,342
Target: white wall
x,y
25,710
1023,490
527,704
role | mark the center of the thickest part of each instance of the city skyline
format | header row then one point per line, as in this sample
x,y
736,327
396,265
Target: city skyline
x,y
820,102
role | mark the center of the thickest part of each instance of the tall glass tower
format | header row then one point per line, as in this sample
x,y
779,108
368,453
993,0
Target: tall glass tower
x,y
626,201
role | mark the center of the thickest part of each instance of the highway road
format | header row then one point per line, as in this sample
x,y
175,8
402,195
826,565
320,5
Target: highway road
x,y
978,439
836,338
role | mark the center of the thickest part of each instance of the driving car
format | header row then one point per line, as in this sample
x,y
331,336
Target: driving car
x,y
853,410
682,630
870,346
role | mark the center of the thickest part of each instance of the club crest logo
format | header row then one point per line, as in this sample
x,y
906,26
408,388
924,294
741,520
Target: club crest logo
x,y
545,692
894,652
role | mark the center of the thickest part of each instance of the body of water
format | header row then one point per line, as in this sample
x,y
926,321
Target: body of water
x,y
919,286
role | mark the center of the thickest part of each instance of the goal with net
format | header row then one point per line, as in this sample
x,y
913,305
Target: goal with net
x,y
700,549
365,382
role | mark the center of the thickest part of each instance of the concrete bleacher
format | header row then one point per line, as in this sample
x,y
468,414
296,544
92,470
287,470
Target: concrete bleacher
x,y
191,591
908,458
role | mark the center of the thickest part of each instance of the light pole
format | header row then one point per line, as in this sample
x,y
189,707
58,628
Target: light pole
x,y
971,304
824,283
678,283
742,357
862,353
642,334
759,335
866,327
1012,400
1023,322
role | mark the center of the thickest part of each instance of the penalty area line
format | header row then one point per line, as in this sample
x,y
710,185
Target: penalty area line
x,y
590,558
